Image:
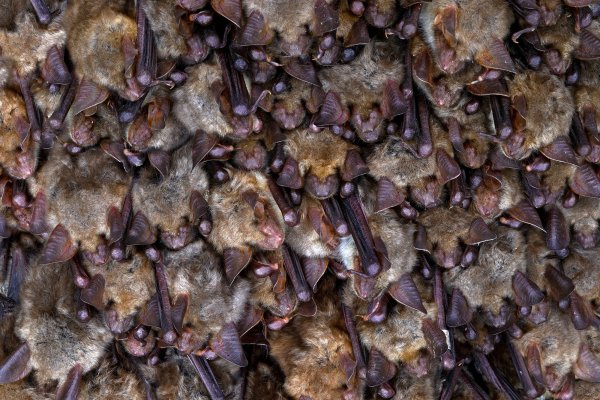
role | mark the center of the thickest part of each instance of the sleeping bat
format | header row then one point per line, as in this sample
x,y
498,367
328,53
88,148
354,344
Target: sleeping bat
x,y
584,94
469,31
583,217
450,234
560,41
245,200
167,198
315,353
376,75
164,22
56,340
315,161
90,184
579,269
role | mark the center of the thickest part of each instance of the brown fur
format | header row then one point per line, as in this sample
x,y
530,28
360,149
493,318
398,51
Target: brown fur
x,y
477,24
583,217
309,350
581,266
488,282
197,271
174,134
303,238
555,179
47,322
228,210
165,201
549,109
561,37
111,381
360,83
262,384
163,20
79,191
490,203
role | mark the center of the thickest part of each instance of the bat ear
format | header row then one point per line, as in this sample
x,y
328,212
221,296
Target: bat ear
x,y
290,174
589,121
115,224
354,165
93,294
69,390
421,241
230,9
534,363
488,87
496,57
581,313
150,316
16,366
54,69
88,95
379,368
348,365
557,236
459,313
525,213
587,367
394,103
38,216
332,111
422,67
358,35
559,284
527,293
589,46
160,160
405,292
227,345
235,260
447,166
202,144
326,17
117,151
250,318
140,232
363,285
321,225
447,19
377,309
307,308
198,205
585,182
435,338
256,32
387,195
560,150
178,311
59,247
313,269
479,232
304,71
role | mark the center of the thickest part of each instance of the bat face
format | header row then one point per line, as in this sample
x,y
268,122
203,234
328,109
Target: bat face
x,y
89,184
57,340
245,200
166,200
583,217
459,33
545,120
560,41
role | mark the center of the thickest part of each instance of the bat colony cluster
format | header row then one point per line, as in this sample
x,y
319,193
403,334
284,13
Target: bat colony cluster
x,y
290,199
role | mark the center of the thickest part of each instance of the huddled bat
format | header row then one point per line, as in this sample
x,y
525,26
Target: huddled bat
x,y
315,161
56,341
170,197
585,91
315,353
580,273
583,218
462,32
164,22
101,43
244,200
545,110
399,170
376,74
289,106
494,285
78,192
559,41
451,234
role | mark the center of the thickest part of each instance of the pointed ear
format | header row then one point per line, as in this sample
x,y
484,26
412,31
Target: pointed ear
x,y
88,95
69,390
256,32
435,338
326,17
589,46
314,269
202,144
140,232
235,260
496,57
587,367
394,103
488,87
560,286
16,366
160,160
459,313
38,215
198,205
59,246
358,35
560,150
387,195
379,368
115,224
525,213
227,345
581,313
422,67
585,182
307,308
354,165
557,231
332,111
348,365
150,316
290,175
405,292
527,293
230,9
479,232
447,20
251,317
93,294
179,309
304,71
447,166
